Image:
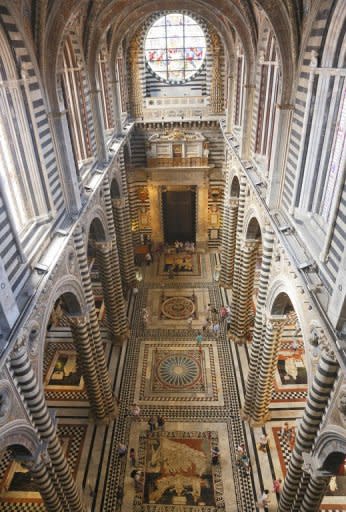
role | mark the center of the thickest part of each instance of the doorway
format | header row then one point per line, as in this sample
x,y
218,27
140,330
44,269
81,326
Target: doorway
x,y
179,214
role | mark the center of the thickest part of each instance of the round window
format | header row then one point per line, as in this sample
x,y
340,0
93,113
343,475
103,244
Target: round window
x,y
175,47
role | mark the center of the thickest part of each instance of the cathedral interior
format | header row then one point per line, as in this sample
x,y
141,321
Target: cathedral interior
x,y
172,255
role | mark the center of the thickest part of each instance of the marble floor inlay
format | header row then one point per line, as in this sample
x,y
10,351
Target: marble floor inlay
x,y
178,373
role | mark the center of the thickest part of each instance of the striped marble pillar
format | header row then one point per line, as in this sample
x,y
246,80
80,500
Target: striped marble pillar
x,y
32,394
314,493
38,467
242,294
236,276
229,230
257,338
122,222
108,265
110,273
95,341
80,333
260,407
317,402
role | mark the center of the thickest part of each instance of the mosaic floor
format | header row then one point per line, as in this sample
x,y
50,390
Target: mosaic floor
x,y
196,388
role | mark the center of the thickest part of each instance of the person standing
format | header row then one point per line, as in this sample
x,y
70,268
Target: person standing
x,y
216,329
199,339
148,258
277,486
132,457
263,502
160,422
263,443
152,424
136,412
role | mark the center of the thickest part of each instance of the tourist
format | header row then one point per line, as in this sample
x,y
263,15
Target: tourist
x,y
285,432
263,442
160,422
189,322
263,502
223,313
148,258
199,339
138,478
239,452
136,412
152,424
216,329
214,314
333,486
277,486
244,462
132,457
294,345
122,449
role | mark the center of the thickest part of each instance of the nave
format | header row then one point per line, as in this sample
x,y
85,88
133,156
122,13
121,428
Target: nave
x,y
198,392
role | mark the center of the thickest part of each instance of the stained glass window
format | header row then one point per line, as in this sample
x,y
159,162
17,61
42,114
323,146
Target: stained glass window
x,y
175,47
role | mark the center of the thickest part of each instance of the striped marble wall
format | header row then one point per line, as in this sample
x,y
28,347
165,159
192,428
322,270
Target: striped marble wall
x,y
298,147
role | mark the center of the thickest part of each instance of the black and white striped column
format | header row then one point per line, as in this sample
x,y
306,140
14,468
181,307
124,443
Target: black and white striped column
x,y
80,333
38,467
109,266
268,360
236,277
95,341
32,393
314,494
122,221
111,286
243,291
258,334
317,402
229,230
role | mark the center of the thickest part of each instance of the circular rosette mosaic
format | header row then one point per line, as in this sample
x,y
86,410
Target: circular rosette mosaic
x,y
178,308
178,370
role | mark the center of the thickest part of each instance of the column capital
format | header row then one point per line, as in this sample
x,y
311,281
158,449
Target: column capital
x,y
284,106
57,114
31,462
104,246
233,202
78,320
249,245
319,338
119,202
